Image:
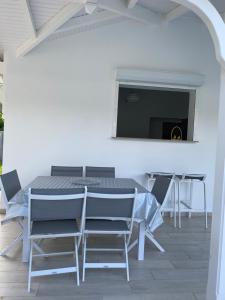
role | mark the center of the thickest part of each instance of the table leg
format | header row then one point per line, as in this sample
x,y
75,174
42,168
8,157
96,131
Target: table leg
x,y
26,244
141,241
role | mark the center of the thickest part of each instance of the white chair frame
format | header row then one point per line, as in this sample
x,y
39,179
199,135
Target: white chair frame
x,y
126,235
19,221
77,238
185,180
148,233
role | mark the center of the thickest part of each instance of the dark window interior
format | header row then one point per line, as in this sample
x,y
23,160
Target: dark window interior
x,y
153,113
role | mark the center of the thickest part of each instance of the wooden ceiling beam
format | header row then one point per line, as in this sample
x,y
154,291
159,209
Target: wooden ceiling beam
x,y
137,13
131,3
66,13
86,23
176,13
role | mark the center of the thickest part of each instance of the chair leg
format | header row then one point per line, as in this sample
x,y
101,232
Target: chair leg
x,y
12,244
131,246
84,257
77,262
30,267
79,242
153,240
38,248
205,207
126,256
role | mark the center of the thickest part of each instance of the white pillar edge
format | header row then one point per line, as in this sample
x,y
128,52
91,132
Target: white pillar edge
x,y
205,10
216,277
1,68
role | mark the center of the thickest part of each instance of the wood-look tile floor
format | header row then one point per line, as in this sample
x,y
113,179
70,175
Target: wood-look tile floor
x,y
178,274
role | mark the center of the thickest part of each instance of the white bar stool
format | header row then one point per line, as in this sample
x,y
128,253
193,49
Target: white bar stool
x,y
190,179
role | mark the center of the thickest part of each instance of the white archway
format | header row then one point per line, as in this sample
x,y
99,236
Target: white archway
x,y
213,21
216,26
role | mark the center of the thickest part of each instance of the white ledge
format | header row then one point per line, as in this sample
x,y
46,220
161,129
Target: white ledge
x,y
154,140
164,77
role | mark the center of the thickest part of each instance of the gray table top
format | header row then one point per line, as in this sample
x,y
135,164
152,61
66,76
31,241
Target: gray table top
x,y
61,182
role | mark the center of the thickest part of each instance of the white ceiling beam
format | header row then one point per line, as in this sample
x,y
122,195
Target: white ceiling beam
x,y
137,13
90,6
28,17
131,3
176,13
86,23
66,13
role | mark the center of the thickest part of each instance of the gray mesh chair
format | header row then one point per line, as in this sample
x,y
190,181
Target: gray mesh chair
x,y
10,186
161,190
108,172
53,213
172,207
67,171
191,179
109,212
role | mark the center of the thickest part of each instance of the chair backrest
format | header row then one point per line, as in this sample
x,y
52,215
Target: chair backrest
x,y
154,175
161,189
198,177
67,171
56,204
10,185
108,172
104,203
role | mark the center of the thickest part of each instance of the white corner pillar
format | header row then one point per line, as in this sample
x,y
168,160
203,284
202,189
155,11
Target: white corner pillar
x,y
216,278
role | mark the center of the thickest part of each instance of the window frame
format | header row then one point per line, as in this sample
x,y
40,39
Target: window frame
x,y
191,138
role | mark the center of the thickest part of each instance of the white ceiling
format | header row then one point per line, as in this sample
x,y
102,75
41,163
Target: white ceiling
x,y
165,6
160,6
42,11
15,30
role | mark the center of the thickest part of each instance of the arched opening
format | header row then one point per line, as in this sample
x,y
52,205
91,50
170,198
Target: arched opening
x,y
216,27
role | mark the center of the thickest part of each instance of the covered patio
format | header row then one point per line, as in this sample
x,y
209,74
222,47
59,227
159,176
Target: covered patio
x,y
180,273
136,88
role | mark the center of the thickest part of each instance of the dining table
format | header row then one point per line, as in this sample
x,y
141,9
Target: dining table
x,y
145,204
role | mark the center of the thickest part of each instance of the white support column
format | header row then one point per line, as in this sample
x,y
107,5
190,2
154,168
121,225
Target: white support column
x,y
216,279
1,68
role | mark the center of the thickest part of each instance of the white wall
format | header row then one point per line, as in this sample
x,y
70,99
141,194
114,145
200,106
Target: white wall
x,y
60,101
1,87
1,96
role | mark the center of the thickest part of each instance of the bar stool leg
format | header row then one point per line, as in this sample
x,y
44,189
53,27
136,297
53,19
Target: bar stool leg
x,y
205,206
174,206
179,215
191,197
